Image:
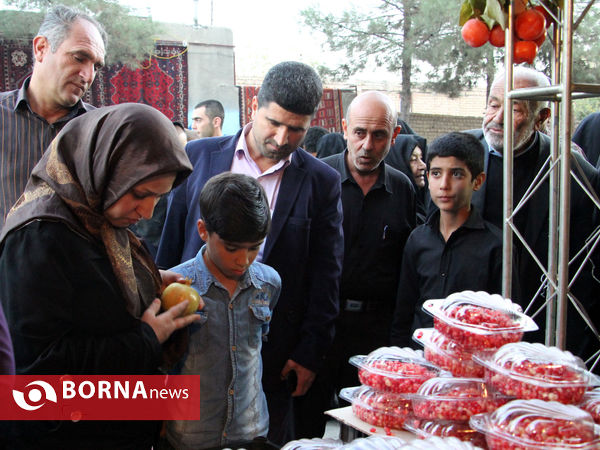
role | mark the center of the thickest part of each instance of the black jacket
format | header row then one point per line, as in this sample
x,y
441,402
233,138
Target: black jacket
x,y
583,220
67,316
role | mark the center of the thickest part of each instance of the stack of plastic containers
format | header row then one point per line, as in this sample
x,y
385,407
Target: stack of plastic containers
x,y
549,383
388,375
465,323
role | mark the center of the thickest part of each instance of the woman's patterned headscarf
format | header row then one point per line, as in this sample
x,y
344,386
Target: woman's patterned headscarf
x,y
95,160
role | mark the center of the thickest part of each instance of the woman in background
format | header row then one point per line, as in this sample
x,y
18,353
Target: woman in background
x,y
408,154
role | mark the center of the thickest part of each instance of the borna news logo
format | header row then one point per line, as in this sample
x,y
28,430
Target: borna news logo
x,y
35,396
95,397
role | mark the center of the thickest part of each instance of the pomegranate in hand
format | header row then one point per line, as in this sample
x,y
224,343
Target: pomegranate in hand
x,y
176,293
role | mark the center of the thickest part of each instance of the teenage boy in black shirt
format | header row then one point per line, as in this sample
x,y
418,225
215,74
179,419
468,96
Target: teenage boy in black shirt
x,y
455,250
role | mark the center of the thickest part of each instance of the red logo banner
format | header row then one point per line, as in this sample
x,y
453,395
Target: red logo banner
x,y
100,397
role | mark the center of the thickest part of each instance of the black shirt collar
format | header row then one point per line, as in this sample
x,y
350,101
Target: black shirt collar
x,y
382,179
474,221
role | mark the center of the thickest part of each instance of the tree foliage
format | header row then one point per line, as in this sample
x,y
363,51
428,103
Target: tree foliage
x,y
130,38
421,40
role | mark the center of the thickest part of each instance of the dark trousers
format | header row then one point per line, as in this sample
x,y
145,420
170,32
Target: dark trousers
x,y
357,333
281,416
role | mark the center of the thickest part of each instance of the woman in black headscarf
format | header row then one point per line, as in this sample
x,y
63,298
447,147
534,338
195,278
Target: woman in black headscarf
x,y
330,144
408,154
78,288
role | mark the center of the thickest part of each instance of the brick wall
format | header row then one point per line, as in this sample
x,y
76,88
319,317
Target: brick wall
x,y
431,126
469,103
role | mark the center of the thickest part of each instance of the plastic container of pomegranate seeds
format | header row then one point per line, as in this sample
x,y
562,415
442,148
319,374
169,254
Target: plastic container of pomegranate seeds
x,y
537,425
395,369
455,398
426,428
534,371
447,354
591,404
382,409
478,320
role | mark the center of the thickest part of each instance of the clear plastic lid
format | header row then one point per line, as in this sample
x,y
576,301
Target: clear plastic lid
x,y
455,398
480,313
438,443
382,409
375,443
313,444
538,424
425,428
394,369
591,404
447,354
532,370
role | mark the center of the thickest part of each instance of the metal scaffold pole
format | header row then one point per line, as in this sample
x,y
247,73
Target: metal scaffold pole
x,y
565,175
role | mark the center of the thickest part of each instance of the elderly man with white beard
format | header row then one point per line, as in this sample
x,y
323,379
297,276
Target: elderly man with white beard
x,y
531,148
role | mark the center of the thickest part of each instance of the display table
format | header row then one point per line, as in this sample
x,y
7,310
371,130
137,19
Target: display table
x,y
351,426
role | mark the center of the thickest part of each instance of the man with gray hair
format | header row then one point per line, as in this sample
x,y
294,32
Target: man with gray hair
x,y
531,148
68,50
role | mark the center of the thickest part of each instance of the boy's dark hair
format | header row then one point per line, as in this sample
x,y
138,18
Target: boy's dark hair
x,y
213,108
462,146
294,86
235,207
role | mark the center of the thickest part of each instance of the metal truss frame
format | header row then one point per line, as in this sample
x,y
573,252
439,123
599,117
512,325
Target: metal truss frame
x,y
559,172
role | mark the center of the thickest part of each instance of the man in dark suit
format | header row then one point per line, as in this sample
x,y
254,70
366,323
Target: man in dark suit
x,y
305,244
531,148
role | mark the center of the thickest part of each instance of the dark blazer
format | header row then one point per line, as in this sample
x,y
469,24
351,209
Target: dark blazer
x,y
305,246
583,220
587,136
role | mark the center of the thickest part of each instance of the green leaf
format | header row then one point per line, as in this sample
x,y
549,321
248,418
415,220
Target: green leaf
x,y
466,12
478,6
493,14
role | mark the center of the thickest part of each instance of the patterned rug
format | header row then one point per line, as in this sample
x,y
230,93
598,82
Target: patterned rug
x,y
329,115
15,63
161,82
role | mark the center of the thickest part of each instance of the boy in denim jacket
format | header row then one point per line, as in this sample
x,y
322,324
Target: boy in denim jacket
x,y
239,295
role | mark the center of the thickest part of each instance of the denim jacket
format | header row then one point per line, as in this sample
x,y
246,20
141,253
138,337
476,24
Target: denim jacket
x,y
224,349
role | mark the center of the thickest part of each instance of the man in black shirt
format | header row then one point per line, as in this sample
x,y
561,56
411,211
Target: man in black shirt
x,y
379,213
455,250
